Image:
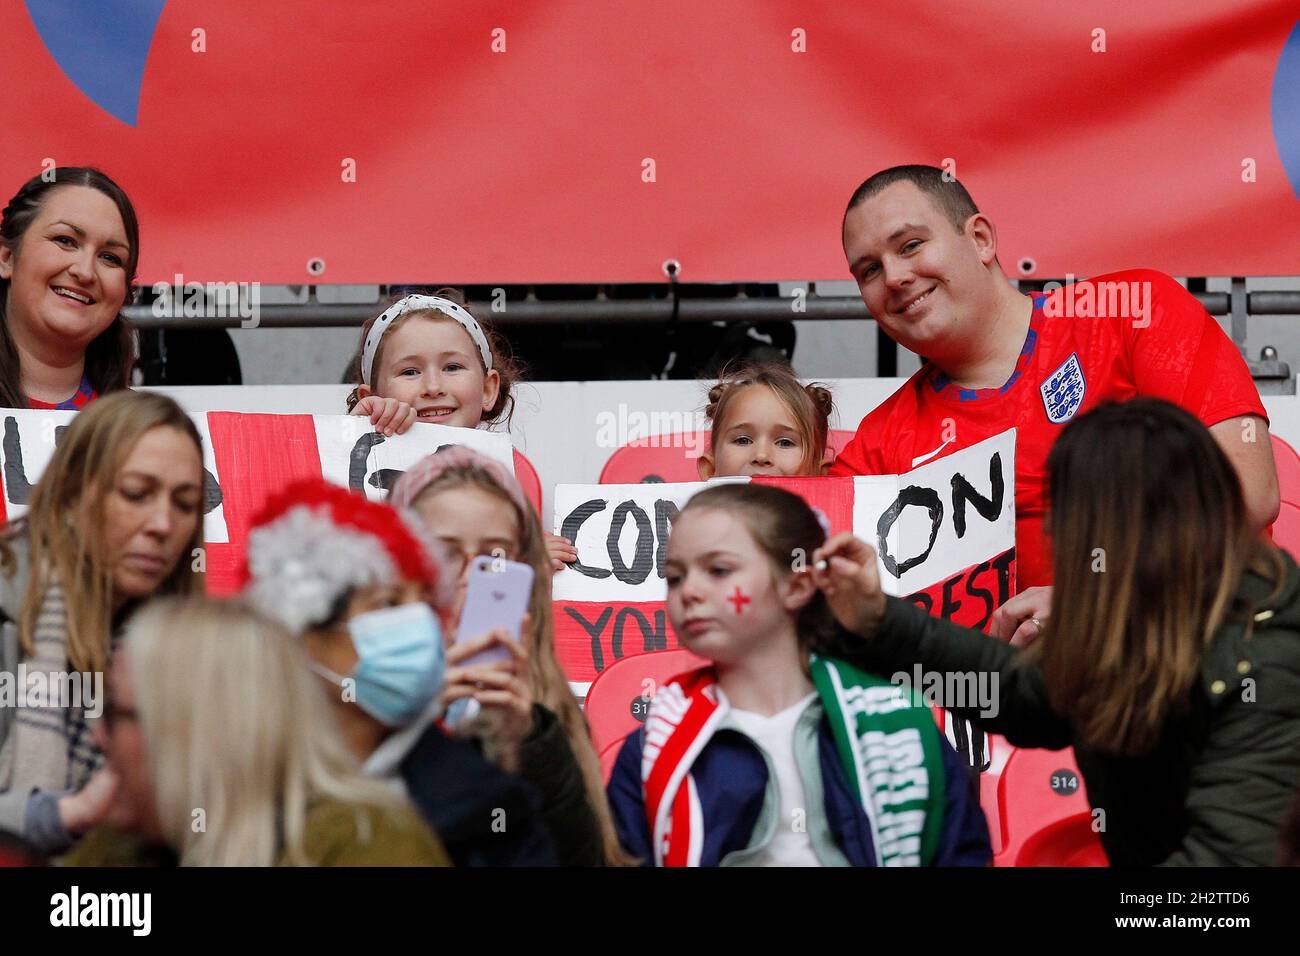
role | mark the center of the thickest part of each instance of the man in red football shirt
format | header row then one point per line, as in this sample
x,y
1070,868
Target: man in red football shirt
x,y
925,260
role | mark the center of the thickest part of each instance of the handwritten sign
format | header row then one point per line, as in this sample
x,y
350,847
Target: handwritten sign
x,y
944,535
246,458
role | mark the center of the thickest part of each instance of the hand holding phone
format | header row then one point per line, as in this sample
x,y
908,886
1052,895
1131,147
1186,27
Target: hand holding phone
x,y
496,599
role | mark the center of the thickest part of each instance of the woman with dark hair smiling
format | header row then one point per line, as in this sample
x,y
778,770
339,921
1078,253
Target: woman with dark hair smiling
x,y
69,245
1172,661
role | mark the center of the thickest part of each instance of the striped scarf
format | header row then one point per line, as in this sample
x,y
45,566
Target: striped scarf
x,y
50,747
884,735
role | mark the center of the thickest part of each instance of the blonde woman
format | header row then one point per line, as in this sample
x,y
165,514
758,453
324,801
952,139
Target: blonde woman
x,y
116,517
530,720
227,754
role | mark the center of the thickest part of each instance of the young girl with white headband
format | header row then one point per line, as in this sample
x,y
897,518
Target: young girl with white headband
x,y
426,358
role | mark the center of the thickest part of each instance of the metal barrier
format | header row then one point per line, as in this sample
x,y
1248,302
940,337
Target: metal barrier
x,y
514,305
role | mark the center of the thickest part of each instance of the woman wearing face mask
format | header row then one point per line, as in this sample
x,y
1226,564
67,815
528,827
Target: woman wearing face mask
x,y
355,580
115,518
68,252
275,784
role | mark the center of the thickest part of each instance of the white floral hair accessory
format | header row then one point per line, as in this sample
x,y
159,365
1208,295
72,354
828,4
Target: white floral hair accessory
x,y
415,303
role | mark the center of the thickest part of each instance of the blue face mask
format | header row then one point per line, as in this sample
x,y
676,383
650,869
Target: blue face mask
x,y
399,662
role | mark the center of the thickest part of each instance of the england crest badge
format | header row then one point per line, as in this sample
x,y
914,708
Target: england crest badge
x,y
1063,391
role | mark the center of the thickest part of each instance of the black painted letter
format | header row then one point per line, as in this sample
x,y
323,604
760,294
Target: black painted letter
x,y
962,492
911,495
642,559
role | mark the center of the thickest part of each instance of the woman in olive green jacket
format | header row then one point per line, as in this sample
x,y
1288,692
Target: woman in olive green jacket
x,y
1171,662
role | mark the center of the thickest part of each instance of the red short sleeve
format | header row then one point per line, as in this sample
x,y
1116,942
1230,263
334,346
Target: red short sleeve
x,y
1179,353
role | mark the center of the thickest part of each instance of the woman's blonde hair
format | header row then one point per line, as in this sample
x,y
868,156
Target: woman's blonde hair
x,y
236,726
64,525
1149,543
549,684
811,405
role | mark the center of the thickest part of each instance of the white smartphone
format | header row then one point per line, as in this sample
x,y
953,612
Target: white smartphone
x,y
496,599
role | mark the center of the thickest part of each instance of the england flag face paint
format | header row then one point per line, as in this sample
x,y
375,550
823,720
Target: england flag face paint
x,y
722,597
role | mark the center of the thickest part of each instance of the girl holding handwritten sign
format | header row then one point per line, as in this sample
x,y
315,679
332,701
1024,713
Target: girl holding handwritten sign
x,y
427,358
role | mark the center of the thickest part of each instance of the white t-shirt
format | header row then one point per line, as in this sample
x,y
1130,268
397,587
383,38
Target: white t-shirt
x,y
790,846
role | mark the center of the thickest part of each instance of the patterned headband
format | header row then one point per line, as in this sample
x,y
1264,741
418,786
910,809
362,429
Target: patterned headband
x,y
429,468
413,303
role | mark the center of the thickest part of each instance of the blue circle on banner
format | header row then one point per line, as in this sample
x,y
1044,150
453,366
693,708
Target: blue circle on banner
x,y
101,46
1286,108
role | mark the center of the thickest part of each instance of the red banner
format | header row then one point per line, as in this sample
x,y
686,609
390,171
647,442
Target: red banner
x,y
247,459
583,141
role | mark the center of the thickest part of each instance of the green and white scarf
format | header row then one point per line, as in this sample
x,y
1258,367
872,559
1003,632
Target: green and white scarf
x,y
889,746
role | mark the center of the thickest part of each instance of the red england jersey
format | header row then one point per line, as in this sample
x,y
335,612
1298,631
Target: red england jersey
x,y
1109,338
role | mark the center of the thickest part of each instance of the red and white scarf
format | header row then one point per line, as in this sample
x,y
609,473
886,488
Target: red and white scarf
x,y
682,719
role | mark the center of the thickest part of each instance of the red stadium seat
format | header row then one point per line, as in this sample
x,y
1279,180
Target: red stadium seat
x,y
532,485
992,809
671,458
1286,529
638,461
837,438
616,703
1288,470
1046,819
